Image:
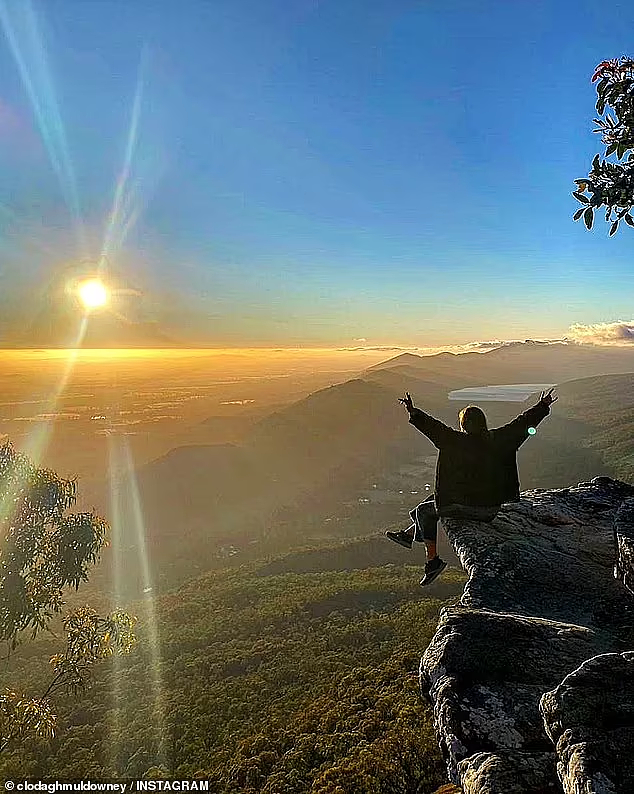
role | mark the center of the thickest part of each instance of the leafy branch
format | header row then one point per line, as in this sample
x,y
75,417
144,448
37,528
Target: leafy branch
x,y
42,551
611,184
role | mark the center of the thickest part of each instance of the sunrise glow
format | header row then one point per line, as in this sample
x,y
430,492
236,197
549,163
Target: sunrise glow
x,y
93,294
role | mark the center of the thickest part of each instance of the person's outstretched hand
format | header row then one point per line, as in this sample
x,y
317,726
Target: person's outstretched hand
x,y
547,397
407,402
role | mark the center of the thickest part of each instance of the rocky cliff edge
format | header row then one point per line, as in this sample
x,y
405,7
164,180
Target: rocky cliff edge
x,y
531,674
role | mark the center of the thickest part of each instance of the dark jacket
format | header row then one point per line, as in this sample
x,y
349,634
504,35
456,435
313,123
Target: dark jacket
x,y
477,469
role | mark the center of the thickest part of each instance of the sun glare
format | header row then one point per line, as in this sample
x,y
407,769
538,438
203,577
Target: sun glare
x,y
93,294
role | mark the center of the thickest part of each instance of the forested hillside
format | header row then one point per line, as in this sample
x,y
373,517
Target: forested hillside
x,y
606,405
261,683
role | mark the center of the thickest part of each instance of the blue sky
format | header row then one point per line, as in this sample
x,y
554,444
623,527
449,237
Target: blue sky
x,y
313,173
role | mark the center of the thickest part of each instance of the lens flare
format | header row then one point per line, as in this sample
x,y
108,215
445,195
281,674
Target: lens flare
x,y
125,207
150,617
93,294
115,717
129,531
21,27
36,443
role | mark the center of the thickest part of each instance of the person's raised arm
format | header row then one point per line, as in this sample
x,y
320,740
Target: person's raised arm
x,y
519,429
435,430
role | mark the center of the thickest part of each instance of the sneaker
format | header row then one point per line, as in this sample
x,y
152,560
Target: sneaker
x,y
402,538
433,569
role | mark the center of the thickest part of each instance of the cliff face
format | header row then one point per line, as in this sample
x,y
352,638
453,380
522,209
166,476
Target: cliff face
x,y
531,674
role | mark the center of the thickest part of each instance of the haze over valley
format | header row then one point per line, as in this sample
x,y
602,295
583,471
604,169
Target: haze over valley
x,y
247,531
236,456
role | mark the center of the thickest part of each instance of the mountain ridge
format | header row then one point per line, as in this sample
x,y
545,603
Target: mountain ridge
x,y
299,464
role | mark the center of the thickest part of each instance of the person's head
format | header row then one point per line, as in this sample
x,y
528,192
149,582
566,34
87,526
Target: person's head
x,y
473,420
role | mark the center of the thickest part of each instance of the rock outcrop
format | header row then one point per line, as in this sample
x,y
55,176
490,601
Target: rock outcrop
x,y
590,719
624,540
531,674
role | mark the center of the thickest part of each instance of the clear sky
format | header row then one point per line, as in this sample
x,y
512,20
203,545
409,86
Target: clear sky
x,y
311,172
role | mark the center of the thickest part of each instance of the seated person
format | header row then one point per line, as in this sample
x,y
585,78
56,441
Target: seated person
x,y
476,472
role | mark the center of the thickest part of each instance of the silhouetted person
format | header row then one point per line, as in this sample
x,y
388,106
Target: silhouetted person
x,y
476,472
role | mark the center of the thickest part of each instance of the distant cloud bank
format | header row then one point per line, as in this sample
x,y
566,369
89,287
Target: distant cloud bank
x,y
620,332
469,347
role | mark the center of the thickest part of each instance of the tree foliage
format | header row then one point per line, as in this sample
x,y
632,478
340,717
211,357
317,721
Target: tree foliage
x,y
270,684
611,184
44,550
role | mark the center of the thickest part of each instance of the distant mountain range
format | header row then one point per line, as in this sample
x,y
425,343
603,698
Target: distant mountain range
x,y
299,464
524,362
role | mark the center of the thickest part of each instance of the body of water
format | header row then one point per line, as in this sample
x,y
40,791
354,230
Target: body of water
x,y
510,393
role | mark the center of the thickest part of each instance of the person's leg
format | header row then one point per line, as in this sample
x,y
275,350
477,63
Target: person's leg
x,y
428,518
422,530
427,522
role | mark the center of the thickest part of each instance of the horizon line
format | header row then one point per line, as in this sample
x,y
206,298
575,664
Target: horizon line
x,y
431,350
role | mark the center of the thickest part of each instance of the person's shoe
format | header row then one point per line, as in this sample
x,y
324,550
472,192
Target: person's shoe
x,y
402,538
433,569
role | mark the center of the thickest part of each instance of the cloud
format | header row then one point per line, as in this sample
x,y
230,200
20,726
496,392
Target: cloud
x,y
468,347
495,343
620,332
383,348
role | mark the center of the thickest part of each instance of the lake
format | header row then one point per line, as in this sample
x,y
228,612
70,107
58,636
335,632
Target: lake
x,y
512,392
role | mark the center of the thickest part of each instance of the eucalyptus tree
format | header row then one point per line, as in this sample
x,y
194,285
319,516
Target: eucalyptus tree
x,y
610,183
44,550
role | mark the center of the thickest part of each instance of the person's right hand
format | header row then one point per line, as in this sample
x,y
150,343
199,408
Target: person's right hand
x,y
547,397
407,402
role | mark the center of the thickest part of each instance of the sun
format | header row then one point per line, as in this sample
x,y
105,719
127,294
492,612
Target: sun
x,y
93,293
